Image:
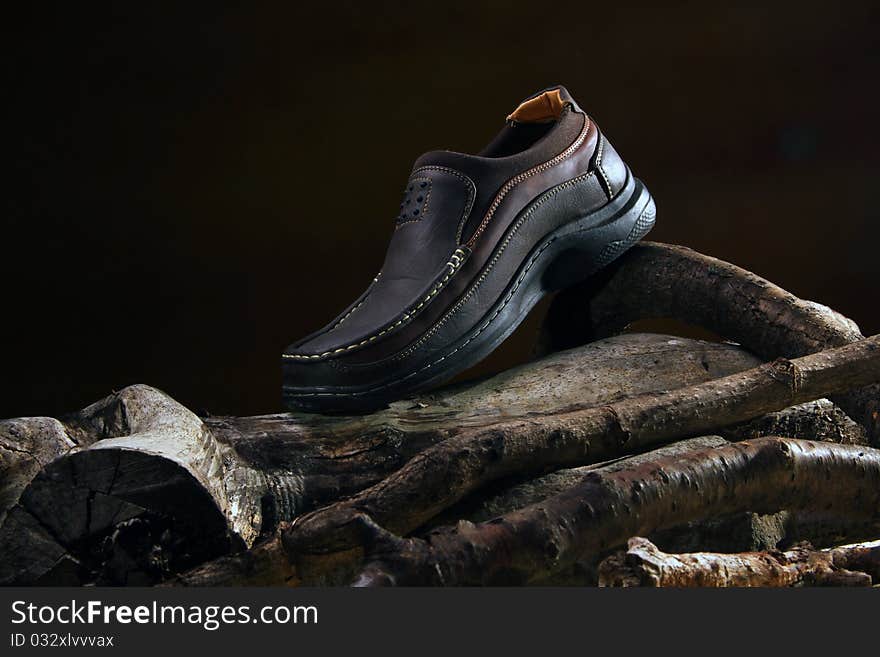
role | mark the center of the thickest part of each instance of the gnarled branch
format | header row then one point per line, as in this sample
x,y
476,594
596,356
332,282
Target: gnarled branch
x,y
442,475
604,510
664,281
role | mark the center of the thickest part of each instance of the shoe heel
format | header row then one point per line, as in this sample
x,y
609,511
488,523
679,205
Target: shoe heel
x,y
581,252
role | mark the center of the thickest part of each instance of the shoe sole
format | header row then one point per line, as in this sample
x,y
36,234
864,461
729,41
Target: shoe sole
x,y
561,259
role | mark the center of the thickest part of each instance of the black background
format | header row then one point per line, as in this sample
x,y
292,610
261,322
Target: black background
x,y
194,188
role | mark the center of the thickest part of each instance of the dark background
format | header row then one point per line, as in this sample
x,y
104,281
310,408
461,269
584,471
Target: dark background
x,y
192,189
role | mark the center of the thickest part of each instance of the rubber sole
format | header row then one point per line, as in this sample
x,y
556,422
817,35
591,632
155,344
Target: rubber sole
x,y
561,259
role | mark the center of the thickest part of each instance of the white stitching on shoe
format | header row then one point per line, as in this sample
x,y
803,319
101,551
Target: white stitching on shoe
x,y
510,184
460,255
510,294
458,260
464,344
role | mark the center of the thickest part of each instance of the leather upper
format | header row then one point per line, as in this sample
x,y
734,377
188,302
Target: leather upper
x,y
455,211
416,262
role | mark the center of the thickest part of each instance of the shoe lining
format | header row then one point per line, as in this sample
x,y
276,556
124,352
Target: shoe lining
x,y
544,107
528,123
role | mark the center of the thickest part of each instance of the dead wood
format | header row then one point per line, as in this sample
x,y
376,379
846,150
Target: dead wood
x,y
148,473
311,460
816,420
509,497
136,488
644,564
328,542
605,509
442,475
136,478
664,281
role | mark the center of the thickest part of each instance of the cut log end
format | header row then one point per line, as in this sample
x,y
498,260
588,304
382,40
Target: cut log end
x,y
142,498
113,516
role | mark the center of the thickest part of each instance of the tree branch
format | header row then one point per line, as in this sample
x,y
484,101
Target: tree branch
x,y
130,488
442,475
663,281
604,510
644,564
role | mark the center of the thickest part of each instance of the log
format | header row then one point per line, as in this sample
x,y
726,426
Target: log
x,y
445,473
26,446
136,488
136,478
329,541
738,531
816,420
644,564
604,510
311,460
142,489
479,508
664,281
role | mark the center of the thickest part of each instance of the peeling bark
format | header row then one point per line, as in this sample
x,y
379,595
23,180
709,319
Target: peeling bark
x,y
816,420
604,510
643,564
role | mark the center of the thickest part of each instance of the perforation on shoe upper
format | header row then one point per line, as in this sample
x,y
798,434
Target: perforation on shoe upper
x,y
416,196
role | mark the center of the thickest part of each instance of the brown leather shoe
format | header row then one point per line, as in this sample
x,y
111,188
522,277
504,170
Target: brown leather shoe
x,y
478,240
